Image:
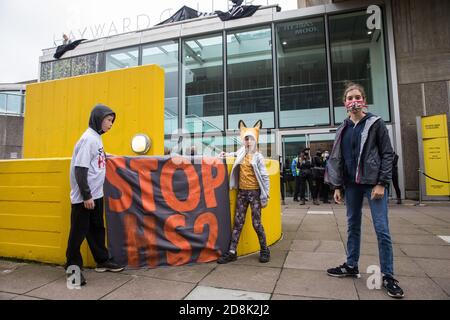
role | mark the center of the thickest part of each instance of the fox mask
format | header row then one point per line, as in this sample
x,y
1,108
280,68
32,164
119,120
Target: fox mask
x,y
253,131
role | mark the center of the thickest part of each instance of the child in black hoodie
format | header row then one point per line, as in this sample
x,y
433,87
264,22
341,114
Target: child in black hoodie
x,y
87,175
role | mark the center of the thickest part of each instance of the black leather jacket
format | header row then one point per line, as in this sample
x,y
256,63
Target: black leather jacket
x,y
375,158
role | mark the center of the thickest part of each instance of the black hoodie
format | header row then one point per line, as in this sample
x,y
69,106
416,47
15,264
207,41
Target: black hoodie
x,y
99,113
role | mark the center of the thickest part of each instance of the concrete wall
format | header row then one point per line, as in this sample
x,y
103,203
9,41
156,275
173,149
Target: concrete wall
x,y
11,136
422,33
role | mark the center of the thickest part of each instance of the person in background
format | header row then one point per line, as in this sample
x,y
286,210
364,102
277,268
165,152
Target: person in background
x,y
325,187
395,179
296,174
282,179
304,165
66,39
318,172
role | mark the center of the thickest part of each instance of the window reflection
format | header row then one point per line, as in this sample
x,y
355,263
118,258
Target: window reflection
x,y
123,58
165,54
250,77
302,73
357,55
203,83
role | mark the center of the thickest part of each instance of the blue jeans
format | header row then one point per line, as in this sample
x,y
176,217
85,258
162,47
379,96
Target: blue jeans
x,y
354,196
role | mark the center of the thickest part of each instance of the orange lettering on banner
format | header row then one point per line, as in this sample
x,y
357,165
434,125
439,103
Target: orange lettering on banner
x,y
150,240
185,249
134,241
193,198
125,200
144,167
208,253
209,183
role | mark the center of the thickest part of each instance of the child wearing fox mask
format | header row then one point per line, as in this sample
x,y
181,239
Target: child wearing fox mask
x,y
250,177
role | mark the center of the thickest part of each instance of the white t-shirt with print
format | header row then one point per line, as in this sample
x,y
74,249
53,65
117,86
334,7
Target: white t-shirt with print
x,y
88,153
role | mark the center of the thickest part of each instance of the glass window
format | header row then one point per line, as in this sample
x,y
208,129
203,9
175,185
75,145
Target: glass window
x,y
2,102
46,71
122,58
11,102
165,54
84,64
250,78
203,83
101,61
61,69
357,55
304,98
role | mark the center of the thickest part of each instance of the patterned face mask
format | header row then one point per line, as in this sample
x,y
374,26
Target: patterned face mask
x,y
355,105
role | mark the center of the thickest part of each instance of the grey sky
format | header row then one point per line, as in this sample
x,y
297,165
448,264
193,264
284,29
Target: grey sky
x,y
28,26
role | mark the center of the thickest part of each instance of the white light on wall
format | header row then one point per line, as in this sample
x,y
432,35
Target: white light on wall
x,y
141,143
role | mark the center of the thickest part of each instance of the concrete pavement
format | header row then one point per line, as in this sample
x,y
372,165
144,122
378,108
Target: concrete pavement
x,y
314,239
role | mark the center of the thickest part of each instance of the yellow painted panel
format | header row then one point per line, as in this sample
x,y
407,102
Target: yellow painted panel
x,y
29,238
270,216
27,193
32,208
58,111
30,223
48,254
30,226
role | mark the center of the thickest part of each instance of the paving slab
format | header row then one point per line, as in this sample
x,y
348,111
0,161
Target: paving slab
x,y
434,267
211,293
248,278
283,244
403,266
7,266
25,297
371,249
7,296
444,283
417,288
318,246
29,277
313,260
98,285
277,259
426,251
143,288
189,273
418,239
316,284
288,297
365,293
319,227
317,235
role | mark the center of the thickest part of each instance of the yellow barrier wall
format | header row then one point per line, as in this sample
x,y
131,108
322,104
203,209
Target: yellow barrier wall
x,y
270,215
35,211
57,112
34,193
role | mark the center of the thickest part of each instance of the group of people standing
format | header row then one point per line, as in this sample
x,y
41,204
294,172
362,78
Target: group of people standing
x,y
307,169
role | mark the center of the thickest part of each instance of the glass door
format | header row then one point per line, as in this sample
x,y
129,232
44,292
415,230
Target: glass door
x,y
291,146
